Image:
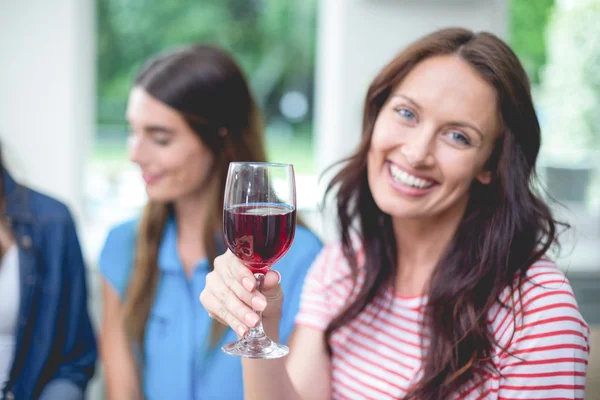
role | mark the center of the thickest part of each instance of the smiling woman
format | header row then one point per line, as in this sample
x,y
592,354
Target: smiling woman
x,y
440,287
191,113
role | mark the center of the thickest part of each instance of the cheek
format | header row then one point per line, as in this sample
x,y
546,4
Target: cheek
x,y
460,169
195,167
383,141
173,162
383,135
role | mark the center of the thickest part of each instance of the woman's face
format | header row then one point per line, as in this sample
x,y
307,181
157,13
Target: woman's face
x,y
173,160
432,139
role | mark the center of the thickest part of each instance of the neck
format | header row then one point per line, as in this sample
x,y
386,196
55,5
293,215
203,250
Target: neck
x,y
191,213
421,243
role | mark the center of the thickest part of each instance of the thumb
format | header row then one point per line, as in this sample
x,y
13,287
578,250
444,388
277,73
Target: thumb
x,y
271,287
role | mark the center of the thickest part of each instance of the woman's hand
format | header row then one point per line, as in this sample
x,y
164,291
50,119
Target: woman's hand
x,y
230,296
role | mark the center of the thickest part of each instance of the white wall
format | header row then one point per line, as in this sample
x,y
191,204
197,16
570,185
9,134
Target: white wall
x,y
47,93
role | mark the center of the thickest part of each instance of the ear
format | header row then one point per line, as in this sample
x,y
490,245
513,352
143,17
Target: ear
x,y
484,177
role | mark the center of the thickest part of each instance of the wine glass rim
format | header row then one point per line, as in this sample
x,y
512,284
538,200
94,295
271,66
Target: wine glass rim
x,y
261,164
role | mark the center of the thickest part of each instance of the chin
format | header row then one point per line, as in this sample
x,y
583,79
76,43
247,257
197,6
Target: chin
x,y
159,196
404,214
398,208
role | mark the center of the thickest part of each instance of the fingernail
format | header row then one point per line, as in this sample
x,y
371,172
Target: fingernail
x,y
251,319
278,276
241,330
248,284
258,303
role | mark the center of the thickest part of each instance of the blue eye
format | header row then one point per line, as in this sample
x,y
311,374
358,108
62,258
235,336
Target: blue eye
x,y
459,138
405,113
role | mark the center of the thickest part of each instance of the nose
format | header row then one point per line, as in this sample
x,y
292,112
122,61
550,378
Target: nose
x,y
136,148
417,149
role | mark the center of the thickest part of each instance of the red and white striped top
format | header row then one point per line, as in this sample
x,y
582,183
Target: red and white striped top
x,y
378,355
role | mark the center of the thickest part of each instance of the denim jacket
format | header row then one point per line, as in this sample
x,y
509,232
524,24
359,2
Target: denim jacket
x,y
55,347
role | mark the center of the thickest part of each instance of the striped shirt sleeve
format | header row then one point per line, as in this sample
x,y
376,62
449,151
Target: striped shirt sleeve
x,y
325,290
547,355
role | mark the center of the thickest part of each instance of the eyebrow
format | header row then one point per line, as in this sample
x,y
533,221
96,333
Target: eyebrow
x,y
158,129
411,101
453,123
150,128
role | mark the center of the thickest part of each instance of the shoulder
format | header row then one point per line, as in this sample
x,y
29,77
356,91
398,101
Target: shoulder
x,y
331,271
123,232
333,259
116,258
53,226
23,201
120,240
329,285
545,285
541,302
47,209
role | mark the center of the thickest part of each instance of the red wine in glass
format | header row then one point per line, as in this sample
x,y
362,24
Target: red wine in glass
x,y
259,222
259,234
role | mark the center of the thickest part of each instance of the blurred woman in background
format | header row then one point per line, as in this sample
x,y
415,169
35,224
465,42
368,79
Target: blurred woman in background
x,y
47,345
440,287
191,113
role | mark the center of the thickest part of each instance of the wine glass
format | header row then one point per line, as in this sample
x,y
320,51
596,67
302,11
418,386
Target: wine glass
x,y
259,223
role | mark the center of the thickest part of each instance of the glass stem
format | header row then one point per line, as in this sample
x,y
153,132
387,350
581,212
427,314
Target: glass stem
x,y
258,331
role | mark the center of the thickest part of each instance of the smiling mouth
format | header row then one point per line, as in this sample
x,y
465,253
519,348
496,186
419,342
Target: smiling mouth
x,y
409,180
150,178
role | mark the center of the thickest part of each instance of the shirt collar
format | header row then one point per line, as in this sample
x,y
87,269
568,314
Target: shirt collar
x,y
168,257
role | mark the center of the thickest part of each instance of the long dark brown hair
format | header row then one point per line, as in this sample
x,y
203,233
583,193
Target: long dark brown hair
x,y
207,87
505,229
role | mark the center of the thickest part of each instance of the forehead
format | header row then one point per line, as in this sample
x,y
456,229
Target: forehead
x,y
449,88
143,108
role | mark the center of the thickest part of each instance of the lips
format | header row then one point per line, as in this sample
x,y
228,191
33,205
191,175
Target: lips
x,y
150,178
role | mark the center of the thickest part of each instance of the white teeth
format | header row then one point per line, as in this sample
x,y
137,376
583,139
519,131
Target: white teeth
x,y
409,180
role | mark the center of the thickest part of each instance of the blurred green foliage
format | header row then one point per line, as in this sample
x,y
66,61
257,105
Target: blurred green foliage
x,y
571,80
527,33
273,40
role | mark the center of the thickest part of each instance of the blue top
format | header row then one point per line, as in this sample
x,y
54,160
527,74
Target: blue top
x,y
179,363
55,345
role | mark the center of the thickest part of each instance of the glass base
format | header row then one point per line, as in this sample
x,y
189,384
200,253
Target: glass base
x,y
256,348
